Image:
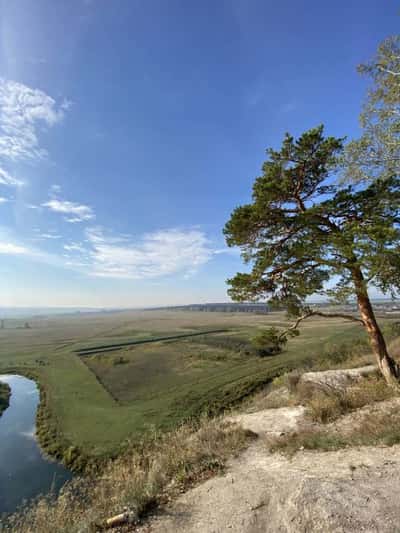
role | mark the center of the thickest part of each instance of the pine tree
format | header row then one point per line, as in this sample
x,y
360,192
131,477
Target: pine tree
x,y
303,228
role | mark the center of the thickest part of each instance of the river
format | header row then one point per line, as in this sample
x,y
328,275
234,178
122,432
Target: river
x,y
24,471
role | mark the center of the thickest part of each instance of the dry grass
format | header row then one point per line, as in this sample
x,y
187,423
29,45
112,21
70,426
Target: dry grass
x,y
326,407
279,397
147,475
395,348
372,431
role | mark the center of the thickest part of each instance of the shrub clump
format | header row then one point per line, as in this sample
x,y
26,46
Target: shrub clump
x,y
269,342
326,406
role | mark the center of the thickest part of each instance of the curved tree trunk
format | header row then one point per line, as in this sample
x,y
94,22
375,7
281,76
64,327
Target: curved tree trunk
x,y
387,365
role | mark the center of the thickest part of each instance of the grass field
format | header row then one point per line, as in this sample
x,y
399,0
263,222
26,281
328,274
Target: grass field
x,y
99,400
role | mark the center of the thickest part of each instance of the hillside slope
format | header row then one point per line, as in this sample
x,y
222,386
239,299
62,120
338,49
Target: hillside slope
x,y
347,490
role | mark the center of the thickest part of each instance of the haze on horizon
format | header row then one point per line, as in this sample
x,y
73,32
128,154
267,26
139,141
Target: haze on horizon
x,y
129,131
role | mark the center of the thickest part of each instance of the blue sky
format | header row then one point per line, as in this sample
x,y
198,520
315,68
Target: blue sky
x,y
129,130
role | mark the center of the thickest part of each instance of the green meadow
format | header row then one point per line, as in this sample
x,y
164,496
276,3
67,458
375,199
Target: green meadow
x,y
97,400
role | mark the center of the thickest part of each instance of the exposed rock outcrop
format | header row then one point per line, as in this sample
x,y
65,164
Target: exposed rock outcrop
x,y
272,422
336,379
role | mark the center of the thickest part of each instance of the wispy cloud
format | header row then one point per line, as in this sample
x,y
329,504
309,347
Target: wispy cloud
x,y
75,212
4,200
10,248
49,236
74,247
22,110
157,254
7,179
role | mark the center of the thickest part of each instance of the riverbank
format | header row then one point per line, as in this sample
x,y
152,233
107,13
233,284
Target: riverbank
x,y
5,393
53,444
170,481
25,472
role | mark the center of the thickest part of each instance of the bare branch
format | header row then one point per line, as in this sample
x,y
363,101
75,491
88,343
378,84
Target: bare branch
x,y
388,71
309,314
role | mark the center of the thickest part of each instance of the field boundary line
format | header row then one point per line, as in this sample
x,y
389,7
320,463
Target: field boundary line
x,y
112,347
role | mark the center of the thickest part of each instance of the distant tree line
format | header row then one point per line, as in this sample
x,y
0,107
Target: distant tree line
x,y
259,308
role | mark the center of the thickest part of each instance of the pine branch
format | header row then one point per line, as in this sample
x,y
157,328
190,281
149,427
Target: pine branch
x,y
309,314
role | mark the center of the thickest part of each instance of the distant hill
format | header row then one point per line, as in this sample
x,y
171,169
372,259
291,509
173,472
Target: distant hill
x,y
230,307
28,312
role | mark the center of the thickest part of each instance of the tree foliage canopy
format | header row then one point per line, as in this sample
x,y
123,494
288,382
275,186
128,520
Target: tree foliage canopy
x,y
303,229
376,154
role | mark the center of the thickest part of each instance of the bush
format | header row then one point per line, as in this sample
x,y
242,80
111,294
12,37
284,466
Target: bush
x,y
325,408
269,342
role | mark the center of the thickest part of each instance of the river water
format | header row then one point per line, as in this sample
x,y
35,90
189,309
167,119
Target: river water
x,y
24,471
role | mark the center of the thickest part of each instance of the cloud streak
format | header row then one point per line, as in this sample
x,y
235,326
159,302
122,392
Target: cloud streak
x,y
157,254
50,236
7,179
75,212
74,247
10,248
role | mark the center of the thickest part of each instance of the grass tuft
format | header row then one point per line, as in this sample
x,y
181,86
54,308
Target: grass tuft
x,y
326,407
307,439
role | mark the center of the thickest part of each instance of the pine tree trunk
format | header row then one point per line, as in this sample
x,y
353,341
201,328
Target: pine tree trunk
x,y
387,365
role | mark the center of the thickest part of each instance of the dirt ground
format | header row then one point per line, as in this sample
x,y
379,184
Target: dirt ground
x,y
350,490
